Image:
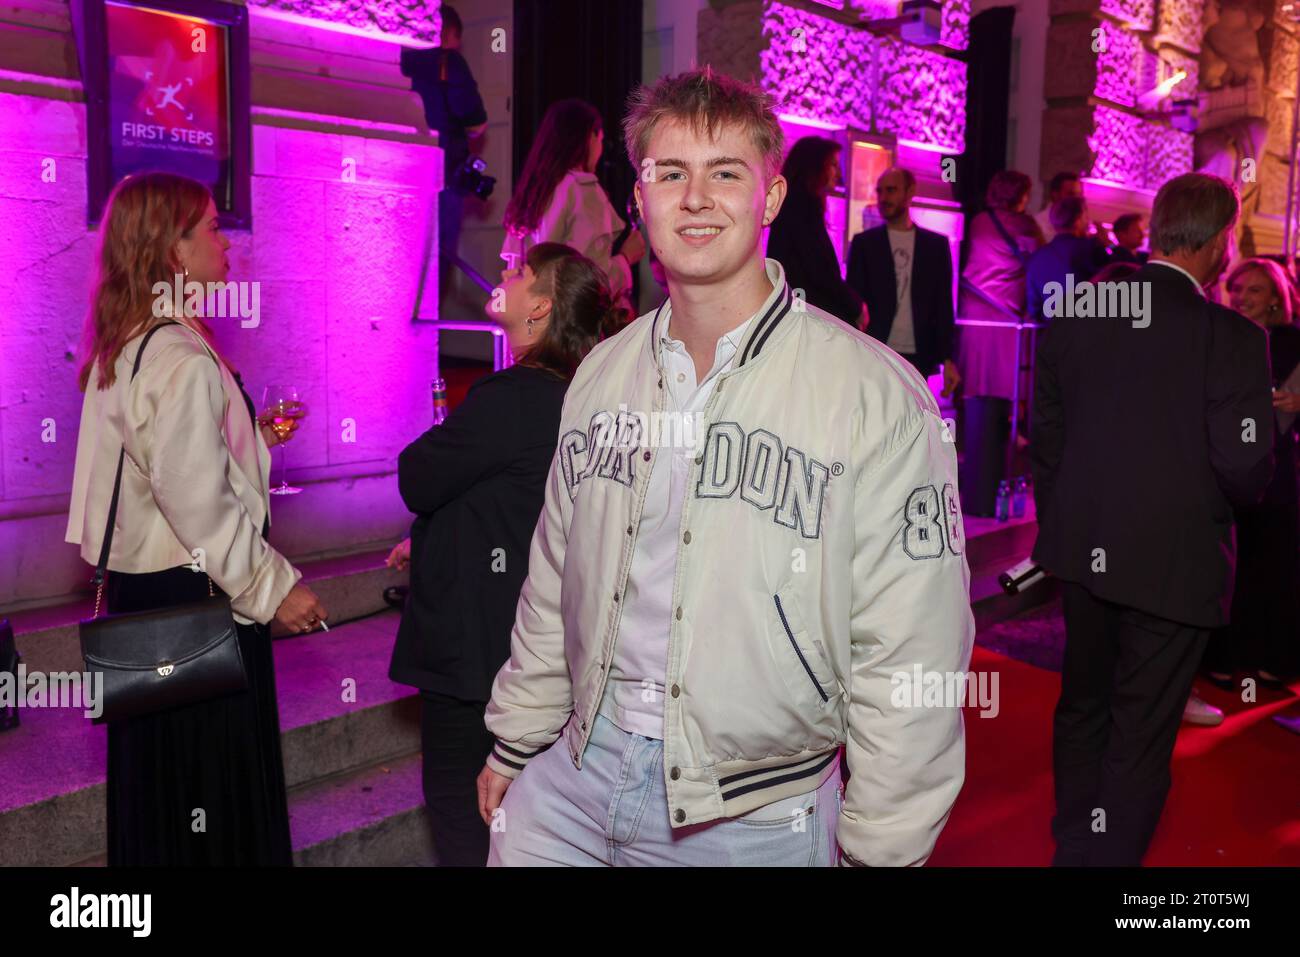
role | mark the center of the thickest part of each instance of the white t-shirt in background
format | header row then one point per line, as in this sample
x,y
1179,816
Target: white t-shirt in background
x,y
902,243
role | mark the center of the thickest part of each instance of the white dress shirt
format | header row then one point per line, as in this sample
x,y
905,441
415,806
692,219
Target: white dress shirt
x,y
634,696
1166,262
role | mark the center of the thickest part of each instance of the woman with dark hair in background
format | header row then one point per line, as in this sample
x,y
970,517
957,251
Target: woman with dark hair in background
x,y
799,240
1001,238
558,199
476,484
1263,634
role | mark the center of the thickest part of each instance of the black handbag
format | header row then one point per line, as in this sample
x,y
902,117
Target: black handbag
x,y
164,658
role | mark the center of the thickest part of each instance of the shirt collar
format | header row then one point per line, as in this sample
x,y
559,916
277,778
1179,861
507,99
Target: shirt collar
x,y
750,336
1192,279
733,337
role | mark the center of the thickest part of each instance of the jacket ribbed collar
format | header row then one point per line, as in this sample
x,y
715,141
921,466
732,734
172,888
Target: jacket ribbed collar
x,y
766,320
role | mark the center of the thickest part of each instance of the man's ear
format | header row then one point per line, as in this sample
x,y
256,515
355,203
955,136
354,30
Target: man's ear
x,y
776,191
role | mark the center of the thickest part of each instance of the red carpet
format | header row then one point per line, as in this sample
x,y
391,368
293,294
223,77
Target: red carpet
x,y
1235,799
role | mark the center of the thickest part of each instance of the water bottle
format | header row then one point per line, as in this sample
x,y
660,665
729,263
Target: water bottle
x,y
1003,506
439,401
1019,497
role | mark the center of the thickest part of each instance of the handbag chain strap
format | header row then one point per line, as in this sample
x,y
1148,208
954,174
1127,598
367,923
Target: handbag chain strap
x,y
102,566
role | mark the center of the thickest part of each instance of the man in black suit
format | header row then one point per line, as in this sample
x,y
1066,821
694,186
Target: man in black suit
x,y
1148,428
904,275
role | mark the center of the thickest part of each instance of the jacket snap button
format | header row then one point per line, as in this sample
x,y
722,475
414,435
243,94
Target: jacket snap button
x,y
679,815
676,773
699,460
677,692
646,456
687,538
584,726
679,612
629,529
616,596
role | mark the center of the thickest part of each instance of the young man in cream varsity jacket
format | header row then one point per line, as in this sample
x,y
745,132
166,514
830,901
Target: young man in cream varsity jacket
x,y
750,542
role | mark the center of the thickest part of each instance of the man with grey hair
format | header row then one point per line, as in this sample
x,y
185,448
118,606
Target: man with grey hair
x,y
1144,439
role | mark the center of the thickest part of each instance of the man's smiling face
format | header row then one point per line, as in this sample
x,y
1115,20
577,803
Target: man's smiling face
x,y
708,201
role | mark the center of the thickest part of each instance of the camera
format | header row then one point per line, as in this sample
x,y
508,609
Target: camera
x,y
470,179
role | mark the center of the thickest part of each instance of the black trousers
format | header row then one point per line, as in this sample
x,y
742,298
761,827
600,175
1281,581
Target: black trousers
x,y
455,745
1124,684
1264,632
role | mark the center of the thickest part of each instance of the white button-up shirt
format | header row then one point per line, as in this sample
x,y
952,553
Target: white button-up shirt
x,y
635,693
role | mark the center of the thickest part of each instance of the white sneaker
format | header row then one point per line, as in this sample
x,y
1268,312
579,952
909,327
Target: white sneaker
x,y
1199,712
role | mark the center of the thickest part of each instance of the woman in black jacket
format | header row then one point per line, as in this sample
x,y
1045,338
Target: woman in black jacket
x,y
476,485
799,240
1263,634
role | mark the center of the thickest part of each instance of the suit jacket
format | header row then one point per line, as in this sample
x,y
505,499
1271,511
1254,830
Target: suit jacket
x,y
451,99
800,243
871,274
195,474
1118,254
1141,449
475,484
1079,256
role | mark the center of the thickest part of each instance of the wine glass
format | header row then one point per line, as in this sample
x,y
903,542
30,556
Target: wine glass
x,y
283,401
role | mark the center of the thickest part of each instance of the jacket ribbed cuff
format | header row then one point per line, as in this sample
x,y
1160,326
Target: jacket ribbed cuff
x,y
509,759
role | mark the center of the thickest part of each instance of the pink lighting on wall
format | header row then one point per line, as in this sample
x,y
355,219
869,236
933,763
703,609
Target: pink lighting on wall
x,y
844,76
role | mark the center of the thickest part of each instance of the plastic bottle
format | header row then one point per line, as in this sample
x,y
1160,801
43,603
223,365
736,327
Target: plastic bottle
x,y
439,401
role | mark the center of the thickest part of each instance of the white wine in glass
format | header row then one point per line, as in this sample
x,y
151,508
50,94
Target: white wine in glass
x,y
283,403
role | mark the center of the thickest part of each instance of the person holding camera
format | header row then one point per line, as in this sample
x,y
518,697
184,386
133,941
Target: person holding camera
x,y
453,108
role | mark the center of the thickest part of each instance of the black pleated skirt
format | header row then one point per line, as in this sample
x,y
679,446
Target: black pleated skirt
x,y
200,785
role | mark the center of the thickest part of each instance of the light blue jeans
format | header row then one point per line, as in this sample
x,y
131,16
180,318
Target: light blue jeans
x,y
615,812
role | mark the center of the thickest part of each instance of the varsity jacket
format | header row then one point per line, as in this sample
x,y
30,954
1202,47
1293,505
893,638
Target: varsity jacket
x,y
820,571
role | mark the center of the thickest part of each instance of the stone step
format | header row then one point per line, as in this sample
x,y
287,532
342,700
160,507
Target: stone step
x,y
52,794
371,817
349,586
992,605
991,544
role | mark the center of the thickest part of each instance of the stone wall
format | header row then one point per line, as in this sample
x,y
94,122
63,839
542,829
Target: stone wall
x,y
1102,55
825,64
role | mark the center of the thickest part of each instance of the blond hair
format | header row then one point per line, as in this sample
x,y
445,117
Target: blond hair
x,y
1277,277
706,101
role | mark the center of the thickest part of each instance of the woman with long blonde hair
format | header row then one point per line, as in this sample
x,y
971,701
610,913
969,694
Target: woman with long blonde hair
x,y
191,522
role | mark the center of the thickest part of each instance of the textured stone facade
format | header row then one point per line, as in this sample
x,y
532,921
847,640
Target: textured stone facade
x,y
824,68
418,19
1109,59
